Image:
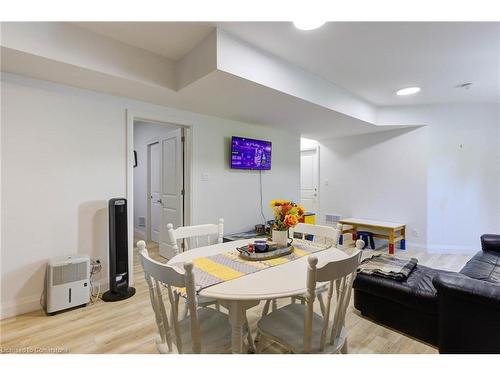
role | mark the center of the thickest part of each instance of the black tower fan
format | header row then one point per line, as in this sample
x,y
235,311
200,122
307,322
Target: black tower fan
x,y
118,252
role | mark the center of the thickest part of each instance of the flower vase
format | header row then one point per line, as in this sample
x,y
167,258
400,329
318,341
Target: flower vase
x,y
280,237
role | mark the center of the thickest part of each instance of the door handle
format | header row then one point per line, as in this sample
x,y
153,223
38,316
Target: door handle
x,y
159,201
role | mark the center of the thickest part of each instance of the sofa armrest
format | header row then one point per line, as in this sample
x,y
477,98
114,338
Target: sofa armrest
x,y
490,242
469,314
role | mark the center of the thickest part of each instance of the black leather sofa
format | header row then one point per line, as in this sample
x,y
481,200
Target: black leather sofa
x,y
459,312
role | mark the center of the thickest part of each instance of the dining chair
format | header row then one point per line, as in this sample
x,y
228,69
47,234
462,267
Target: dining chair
x,y
204,331
298,328
321,234
190,237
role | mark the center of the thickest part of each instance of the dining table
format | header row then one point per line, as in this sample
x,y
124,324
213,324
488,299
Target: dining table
x,y
242,293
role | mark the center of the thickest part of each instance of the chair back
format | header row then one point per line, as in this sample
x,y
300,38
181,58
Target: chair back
x,y
160,276
322,233
340,274
191,237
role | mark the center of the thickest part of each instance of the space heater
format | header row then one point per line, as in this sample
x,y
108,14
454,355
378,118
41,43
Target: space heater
x,y
118,252
67,283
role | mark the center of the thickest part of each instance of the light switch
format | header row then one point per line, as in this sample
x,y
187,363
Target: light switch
x,y
204,176
326,182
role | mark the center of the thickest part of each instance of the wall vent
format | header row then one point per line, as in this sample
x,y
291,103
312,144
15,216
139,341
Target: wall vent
x,y
332,219
142,221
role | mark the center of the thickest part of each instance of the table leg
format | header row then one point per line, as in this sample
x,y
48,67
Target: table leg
x,y
403,241
354,234
237,318
391,241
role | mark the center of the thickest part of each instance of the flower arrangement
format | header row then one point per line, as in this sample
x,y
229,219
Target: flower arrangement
x,y
286,214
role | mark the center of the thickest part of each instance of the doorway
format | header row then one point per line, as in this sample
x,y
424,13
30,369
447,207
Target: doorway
x,y
309,176
159,182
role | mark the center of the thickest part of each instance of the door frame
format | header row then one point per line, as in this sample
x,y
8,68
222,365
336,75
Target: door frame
x,y
149,228
317,149
146,116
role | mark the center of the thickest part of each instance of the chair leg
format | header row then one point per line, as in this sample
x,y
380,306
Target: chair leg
x,y
274,305
265,310
251,345
344,349
372,243
321,304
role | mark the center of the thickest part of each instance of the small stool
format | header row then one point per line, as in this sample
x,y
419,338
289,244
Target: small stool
x,y
366,236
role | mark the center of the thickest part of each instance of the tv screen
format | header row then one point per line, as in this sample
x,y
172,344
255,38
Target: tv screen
x,y
249,153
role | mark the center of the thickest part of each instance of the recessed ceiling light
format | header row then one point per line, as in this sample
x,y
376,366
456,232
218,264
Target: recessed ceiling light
x,y
408,91
308,24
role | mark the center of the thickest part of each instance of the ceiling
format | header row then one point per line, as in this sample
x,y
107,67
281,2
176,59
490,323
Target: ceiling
x,y
169,39
374,59
370,59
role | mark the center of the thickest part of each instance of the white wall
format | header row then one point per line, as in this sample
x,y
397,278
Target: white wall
x,y
443,179
378,176
463,174
144,133
64,155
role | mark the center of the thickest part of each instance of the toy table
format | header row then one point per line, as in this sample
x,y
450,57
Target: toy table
x,y
395,231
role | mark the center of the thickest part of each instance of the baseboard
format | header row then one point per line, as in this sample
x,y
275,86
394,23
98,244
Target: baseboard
x,y
20,306
28,304
452,249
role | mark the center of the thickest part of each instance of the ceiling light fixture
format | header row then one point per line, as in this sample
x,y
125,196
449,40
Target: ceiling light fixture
x,y
408,91
308,24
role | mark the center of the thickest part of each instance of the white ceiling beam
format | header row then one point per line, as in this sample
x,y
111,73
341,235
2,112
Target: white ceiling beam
x,y
70,44
237,57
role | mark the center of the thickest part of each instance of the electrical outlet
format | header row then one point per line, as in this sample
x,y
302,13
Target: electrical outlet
x,y
414,233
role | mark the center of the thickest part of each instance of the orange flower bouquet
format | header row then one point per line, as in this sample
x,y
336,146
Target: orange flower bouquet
x,y
287,214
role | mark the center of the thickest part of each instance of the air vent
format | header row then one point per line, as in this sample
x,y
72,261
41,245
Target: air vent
x,y
69,273
142,221
332,219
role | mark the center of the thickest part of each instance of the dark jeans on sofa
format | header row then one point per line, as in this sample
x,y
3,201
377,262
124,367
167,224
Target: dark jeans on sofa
x,y
459,312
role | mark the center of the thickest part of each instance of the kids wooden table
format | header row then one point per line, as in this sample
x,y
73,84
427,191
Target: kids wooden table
x,y
393,231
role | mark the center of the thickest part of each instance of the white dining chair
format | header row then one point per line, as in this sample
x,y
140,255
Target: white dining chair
x,y
204,331
190,237
321,234
298,328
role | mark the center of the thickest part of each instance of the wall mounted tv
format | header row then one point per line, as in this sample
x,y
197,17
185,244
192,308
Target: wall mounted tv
x,y
251,154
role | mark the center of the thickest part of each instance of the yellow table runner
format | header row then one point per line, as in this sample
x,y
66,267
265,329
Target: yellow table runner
x,y
227,266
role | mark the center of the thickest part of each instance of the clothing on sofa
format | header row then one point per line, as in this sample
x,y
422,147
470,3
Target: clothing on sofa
x,y
388,266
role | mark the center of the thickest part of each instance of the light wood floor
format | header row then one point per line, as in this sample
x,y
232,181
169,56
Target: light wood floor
x,y
128,326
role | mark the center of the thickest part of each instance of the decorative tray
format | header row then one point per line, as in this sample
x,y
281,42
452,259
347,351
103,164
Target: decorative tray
x,y
271,254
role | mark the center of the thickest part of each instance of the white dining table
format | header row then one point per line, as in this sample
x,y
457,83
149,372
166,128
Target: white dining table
x,y
239,295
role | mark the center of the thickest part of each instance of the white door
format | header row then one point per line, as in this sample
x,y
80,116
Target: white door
x,y
309,179
155,191
172,185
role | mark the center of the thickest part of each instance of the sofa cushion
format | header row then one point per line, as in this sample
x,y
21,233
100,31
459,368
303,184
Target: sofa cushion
x,y
485,265
416,292
490,242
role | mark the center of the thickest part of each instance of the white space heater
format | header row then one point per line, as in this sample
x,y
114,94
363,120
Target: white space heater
x,y
67,283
